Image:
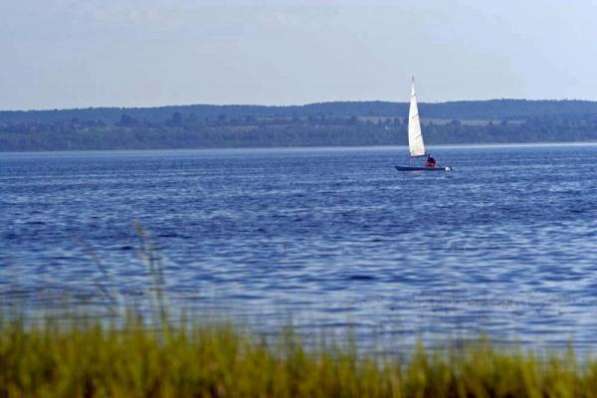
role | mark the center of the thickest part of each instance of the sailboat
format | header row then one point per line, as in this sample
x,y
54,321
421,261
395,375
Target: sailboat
x,y
416,145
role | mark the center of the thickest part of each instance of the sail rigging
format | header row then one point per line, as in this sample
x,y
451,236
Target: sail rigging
x,y
415,136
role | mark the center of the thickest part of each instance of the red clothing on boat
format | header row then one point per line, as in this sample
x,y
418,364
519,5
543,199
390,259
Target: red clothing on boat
x,y
430,163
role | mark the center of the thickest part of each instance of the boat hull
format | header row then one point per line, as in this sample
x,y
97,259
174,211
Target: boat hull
x,y
407,168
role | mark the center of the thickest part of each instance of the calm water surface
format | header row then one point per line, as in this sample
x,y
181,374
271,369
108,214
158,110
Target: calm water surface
x,y
322,238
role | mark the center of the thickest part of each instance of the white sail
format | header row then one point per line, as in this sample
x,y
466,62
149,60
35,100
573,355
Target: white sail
x,y
415,136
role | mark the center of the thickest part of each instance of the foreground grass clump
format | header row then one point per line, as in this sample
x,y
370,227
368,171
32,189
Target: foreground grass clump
x,y
91,360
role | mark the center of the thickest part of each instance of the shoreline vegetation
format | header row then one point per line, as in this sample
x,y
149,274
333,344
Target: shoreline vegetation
x,y
366,123
82,357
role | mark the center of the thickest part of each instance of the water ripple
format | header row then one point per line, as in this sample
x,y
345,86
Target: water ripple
x,y
325,239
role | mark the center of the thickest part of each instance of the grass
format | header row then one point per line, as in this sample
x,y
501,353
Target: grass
x,y
85,358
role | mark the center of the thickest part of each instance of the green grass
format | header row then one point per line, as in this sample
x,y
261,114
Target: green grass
x,y
83,358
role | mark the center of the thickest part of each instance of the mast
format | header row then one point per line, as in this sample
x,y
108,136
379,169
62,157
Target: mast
x,y
415,136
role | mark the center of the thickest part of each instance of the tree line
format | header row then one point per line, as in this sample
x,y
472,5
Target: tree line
x,y
334,123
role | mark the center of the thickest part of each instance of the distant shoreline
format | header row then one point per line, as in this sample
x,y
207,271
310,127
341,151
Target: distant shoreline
x,y
345,124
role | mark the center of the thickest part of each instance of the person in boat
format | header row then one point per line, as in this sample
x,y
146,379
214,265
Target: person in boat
x,y
430,162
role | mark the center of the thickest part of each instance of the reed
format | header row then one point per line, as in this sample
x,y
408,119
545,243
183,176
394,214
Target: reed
x,y
87,358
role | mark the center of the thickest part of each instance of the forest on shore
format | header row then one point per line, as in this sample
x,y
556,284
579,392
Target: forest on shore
x,y
320,124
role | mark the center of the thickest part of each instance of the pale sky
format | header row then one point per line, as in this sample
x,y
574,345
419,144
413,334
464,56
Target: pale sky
x,y
73,53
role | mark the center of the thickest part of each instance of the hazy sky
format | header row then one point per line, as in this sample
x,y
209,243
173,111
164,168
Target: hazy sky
x,y
73,53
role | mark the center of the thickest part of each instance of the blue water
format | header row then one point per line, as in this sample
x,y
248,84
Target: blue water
x,y
323,238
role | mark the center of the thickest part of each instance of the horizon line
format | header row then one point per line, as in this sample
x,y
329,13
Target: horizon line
x,y
287,105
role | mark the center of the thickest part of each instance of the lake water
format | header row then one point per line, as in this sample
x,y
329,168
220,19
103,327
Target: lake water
x,y
323,238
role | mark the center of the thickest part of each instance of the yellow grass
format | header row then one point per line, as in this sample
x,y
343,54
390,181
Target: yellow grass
x,y
89,359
